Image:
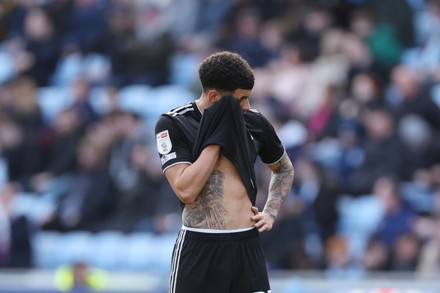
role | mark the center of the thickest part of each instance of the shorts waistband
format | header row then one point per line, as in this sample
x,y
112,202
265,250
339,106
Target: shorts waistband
x,y
222,236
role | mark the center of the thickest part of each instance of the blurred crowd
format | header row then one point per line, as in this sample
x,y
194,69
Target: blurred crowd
x,y
352,87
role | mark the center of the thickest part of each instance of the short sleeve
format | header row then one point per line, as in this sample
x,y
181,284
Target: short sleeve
x,y
170,143
272,148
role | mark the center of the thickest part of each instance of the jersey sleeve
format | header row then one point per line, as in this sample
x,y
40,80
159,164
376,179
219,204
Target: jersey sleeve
x,y
272,148
170,143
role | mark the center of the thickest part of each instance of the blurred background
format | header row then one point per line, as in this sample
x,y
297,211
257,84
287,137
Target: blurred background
x,y
351,86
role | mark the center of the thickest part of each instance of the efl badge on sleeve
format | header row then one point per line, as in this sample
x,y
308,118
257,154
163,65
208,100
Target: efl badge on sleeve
x,y
163,142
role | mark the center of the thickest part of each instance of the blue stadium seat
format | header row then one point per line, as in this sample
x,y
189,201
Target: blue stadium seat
x,y
359,218
108,250
435,94
76,246
7,66
99,100
52,100
139,252
137,98
47,247
151,102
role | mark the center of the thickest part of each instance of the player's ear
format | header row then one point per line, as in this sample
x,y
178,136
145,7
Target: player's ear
x,y
213,96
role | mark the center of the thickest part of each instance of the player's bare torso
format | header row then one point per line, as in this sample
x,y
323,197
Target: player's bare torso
x,y
223,203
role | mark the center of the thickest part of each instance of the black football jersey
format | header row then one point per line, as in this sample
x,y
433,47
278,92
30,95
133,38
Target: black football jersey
x,y
180,137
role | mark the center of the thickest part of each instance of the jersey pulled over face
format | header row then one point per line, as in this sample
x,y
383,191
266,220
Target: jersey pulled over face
x,y
243,97
224,202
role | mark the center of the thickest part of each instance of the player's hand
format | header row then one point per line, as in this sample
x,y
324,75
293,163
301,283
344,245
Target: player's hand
x,y
263,221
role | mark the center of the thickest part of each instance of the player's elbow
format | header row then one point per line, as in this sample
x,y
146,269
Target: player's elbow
x,y
187,196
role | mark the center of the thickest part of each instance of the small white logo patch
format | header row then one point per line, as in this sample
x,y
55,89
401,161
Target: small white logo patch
x,y
167,157
163,142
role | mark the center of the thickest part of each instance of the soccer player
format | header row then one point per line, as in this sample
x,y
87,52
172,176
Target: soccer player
x,y
208,149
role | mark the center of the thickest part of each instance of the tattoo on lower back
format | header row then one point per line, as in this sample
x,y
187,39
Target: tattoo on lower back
x,y
208,211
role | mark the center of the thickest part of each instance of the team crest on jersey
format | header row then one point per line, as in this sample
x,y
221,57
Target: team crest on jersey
x,y
163,142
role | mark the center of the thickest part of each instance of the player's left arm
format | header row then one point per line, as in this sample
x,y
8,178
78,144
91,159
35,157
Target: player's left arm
x,y
280,184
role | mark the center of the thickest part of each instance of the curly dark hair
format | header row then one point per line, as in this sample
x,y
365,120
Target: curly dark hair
x,y
226,71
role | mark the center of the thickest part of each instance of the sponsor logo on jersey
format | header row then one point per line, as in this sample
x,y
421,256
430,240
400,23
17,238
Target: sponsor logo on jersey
x,y
167,157
163,142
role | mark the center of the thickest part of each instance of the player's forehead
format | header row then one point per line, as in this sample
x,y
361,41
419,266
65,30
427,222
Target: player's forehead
x,y
239,93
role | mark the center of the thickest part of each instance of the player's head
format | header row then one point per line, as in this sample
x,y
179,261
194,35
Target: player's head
x,y
225,72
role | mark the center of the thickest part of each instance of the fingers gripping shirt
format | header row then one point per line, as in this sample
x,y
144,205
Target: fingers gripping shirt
x,y
223,124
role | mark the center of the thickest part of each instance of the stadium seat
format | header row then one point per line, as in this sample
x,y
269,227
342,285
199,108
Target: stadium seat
x,y
47,247
52,100
76,246
137,98
435,93
108,250
359,218
7,66
99,100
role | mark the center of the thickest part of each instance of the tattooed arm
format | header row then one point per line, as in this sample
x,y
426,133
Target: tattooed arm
x,y
188,180
280,183
207,211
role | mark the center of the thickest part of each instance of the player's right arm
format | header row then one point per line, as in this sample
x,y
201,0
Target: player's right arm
x,y
186,178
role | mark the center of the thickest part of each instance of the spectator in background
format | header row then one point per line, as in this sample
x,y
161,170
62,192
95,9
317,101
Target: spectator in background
x,y
366,88
376,257
15,232
81,93
16,17
282,81
341,129
358,55
381,145
301,86
327,76
398,15
323,116
338,261
346,114
421,143
435,177
24,151
210,15
245,37
381,39
11,139
61,145
86,26
405,253
325,206
41,47
129,130
425,55
397,220
80,277
412,97
314,20
429,263
93,197
60,13
137,58
5,11
144,204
